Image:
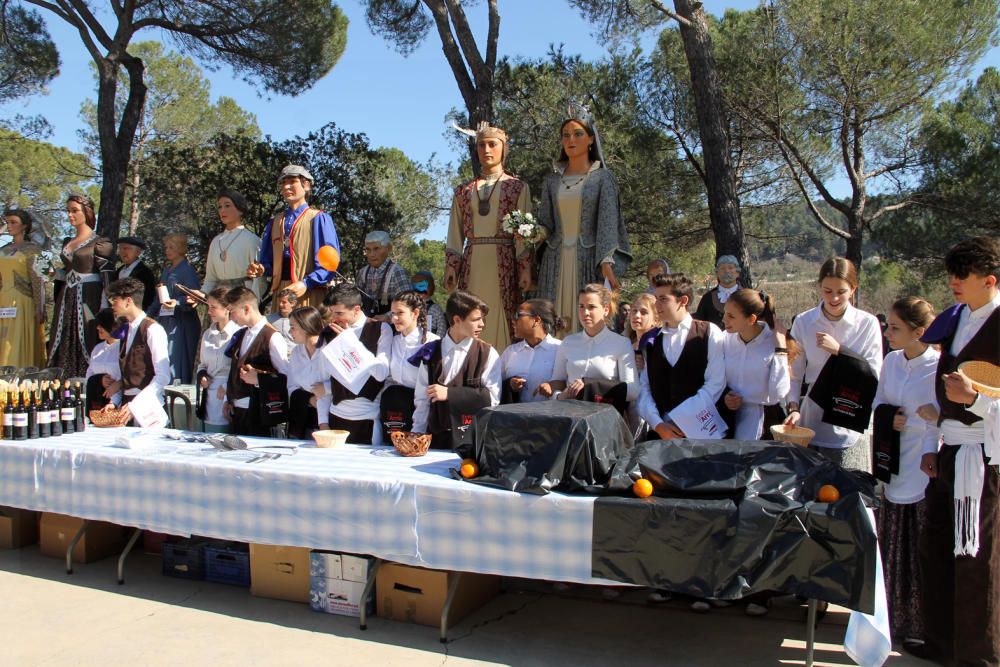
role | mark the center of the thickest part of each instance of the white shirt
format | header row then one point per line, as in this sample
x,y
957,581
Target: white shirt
x,y
402,371
284,327
970,322
127,270
758,375
606,356
241,247
277,350
156,339
216,364
452,357
104,359
305,371
909,384
360,409
534,364
715,371
726,292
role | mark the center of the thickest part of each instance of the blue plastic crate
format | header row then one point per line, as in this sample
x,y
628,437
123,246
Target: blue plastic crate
x,y
228,564
184,559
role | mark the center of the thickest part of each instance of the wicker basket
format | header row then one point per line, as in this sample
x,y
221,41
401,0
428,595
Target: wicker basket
x,y
110,418
330,438
800,435
984,375
411,444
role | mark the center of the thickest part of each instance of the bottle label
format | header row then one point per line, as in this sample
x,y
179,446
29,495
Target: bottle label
x,y
8,419
53,416
68,414
44,417
20,419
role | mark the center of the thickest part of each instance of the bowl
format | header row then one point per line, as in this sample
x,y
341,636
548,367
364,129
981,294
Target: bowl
x,y
984,375
330,438
800,435
411,444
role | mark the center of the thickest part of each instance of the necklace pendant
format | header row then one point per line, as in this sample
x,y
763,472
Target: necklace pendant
x,y
222,255
484,207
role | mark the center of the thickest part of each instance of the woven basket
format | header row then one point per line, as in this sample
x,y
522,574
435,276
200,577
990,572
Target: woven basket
x,y
330,438
984,375
110,418
411,444
800,435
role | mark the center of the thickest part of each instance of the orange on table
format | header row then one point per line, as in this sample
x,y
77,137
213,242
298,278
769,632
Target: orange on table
x,y
328,257
828,493
643,488
469,469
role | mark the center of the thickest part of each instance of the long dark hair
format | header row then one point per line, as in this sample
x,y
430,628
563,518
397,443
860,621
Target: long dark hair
x,y
546,313
592,154
87,204
414,300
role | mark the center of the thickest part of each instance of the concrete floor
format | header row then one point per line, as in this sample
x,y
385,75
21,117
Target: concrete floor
x,y
50,619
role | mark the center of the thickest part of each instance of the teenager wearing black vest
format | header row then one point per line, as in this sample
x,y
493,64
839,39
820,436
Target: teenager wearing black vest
x,y
684,361
142,356
458,375
256,348
961,559
356,413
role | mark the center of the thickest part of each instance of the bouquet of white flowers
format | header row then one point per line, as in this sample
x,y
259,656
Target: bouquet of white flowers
x,y
523,227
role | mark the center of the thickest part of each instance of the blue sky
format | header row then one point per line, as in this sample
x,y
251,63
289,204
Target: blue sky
x,y
396,101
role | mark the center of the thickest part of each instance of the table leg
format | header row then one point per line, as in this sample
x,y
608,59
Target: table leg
x,y
128,547
369,585
810,632
452,588
72,545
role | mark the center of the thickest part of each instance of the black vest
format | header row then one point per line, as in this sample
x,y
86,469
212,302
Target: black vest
x,y
984,346
672,385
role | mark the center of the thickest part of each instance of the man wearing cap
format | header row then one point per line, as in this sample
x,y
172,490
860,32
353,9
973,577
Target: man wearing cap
x,y
291,242
381,278
129,252
713,302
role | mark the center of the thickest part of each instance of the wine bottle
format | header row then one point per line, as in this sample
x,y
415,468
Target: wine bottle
x,y
20,419
81,422
44,418
32,410
54,417
8,416
67,411
3,409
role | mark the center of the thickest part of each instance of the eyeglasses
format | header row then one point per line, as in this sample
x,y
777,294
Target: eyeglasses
x,y
521,314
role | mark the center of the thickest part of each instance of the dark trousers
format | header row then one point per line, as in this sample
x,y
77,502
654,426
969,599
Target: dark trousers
x,y
961,594
247,422
360,431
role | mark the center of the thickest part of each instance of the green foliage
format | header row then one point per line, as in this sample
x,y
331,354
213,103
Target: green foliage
x,y
28,56
425,255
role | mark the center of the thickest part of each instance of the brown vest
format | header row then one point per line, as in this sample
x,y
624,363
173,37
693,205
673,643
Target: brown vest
x,y
137,364
470,375
300,247
672,385
370,333
258,355
984,346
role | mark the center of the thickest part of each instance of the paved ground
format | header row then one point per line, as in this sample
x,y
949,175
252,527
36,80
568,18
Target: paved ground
x,y
49,619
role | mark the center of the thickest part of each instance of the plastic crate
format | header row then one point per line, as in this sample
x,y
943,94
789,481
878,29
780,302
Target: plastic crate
x,y
184,559
228,564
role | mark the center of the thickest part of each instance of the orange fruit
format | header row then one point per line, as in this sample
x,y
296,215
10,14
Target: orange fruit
x,y
328,257
828,493
642,488
469,469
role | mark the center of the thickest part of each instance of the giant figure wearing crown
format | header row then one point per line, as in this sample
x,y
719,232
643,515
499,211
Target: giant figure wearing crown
x,y
480,256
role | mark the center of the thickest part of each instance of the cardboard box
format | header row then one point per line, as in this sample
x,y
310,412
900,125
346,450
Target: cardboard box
x,y
417,595
336,596
281,573
354,568
348,567
101,540
18,528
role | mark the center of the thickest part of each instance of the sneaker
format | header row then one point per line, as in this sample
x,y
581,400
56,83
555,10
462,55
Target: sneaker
x,y
659,596
610,593
754,609
700,606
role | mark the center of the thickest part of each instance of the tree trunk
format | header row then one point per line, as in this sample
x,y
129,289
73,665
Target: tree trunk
x,y
133,216
720,181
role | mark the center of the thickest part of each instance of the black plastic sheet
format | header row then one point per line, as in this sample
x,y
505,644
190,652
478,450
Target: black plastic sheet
x,y
568,446
730,518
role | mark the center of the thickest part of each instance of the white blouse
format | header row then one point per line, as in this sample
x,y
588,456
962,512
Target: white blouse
x,y
606,356
240,247
216,364
856,331
104,359
534,364
758,375
402,371
909,384
305,371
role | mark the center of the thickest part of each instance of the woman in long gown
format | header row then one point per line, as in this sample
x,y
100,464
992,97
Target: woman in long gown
x,y
178,318
88,263
480,257
587,242
21,334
